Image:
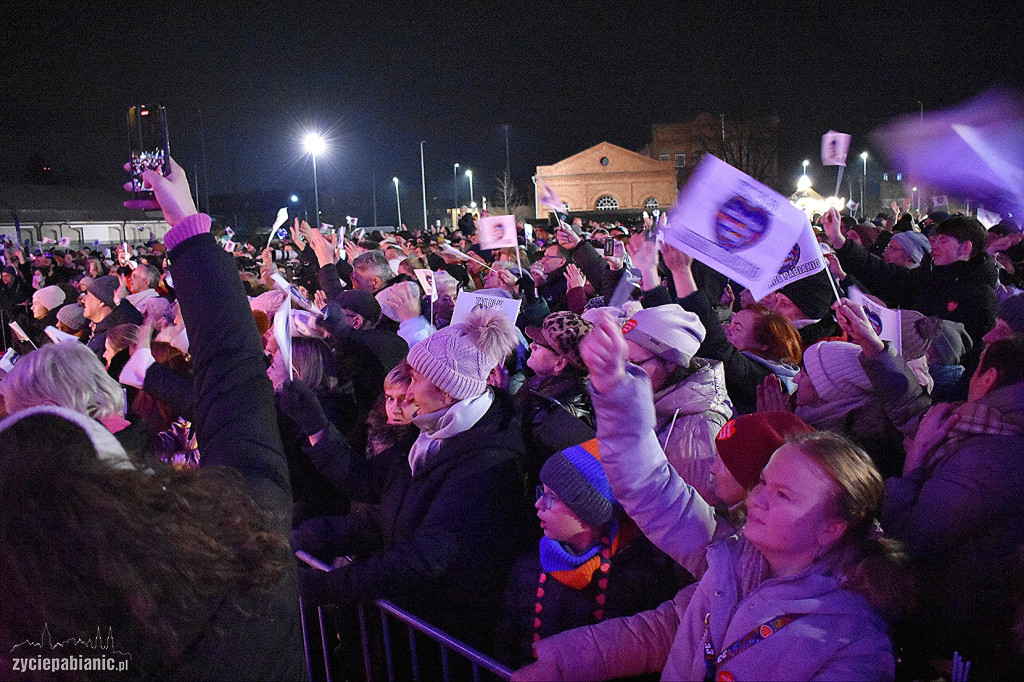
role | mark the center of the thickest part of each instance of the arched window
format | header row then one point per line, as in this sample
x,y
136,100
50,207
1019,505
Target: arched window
x,y
663,155
680,159
606,203
651,203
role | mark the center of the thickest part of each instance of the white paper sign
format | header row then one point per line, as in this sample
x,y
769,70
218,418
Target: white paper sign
x,y
468,302
284,285
57,336
426,278
885,321
834,148
735,225
283,334
805,259
988,218
497,232
20,334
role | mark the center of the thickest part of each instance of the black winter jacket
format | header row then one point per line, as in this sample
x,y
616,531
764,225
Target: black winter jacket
x,y
439,543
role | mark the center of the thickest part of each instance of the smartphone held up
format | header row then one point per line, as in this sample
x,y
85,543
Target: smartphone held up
x,y
147,145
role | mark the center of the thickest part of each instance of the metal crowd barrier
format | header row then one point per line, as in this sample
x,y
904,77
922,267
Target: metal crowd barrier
x,y
454,660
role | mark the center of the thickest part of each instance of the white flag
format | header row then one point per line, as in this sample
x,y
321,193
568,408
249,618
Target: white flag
x,y
988,218
940,200
469,301
852,205
497,232
834,148
426,278
64,241
282,216
740,227
283,333
885,321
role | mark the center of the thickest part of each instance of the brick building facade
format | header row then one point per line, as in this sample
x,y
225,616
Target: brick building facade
x,y
609,177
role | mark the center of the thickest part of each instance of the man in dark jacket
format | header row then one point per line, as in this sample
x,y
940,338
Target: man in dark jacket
x,y
104,312
441,541
959,286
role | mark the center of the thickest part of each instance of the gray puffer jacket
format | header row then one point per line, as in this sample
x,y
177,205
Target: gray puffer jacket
x,y
689,415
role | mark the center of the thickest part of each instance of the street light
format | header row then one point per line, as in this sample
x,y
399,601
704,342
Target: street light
x,y
472,201
455,185
295,198
398,201
423,179
805,164
315,145
863,181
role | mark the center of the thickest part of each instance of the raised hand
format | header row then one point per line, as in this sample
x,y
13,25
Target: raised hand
x,y
573,277
171,194
832,224
855,323
771,397
934,427
604,351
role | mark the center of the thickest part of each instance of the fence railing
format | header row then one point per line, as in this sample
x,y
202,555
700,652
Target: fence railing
x,y
384,653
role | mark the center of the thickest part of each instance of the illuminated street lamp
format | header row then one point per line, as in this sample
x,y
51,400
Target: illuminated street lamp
x,y
315,145
805,164
863,180
455,184
398,202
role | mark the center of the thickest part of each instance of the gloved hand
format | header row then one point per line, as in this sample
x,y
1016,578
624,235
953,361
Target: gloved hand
x,y
334,320
300,403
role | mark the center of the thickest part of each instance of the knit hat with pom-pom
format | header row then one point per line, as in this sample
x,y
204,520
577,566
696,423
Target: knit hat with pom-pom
x,y
458,358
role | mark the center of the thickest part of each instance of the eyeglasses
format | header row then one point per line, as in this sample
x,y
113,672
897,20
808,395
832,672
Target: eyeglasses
x,y
547,499
535,342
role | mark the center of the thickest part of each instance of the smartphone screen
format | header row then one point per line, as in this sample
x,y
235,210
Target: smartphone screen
x,y
609,247
147,142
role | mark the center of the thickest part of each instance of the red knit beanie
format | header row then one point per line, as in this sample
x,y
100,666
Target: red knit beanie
x,y
746,443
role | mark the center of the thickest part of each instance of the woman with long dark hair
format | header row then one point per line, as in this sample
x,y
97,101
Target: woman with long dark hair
x,y
191,569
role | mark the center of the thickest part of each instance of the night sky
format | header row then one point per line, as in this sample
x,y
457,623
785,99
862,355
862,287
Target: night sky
x,y
380,78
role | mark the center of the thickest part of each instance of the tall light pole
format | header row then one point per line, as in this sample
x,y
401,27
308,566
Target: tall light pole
x,y
398,202
472,202
315,145
863,181
423,179
455,186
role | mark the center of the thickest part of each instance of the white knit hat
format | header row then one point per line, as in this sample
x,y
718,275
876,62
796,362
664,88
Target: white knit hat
x,y
668,331
49,297
458,358
834,369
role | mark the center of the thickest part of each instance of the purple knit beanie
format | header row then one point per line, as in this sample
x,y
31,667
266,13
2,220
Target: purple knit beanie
x,y
458,358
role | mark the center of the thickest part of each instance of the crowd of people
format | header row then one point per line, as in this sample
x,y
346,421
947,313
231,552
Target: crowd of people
x,y
646,471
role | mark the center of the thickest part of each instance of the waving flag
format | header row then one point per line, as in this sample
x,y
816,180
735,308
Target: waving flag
x,y
497,232
742,228
549,198
975,149
834,148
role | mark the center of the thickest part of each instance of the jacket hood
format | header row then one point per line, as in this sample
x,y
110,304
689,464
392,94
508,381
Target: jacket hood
x,y
703,390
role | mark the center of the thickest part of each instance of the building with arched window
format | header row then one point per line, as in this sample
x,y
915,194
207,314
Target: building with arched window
x,y
607,177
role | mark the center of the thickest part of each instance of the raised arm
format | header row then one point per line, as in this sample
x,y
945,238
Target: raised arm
x,y
234,412
666,508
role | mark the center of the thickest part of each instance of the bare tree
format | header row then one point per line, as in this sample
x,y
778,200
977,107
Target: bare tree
x,y
750,145
508,195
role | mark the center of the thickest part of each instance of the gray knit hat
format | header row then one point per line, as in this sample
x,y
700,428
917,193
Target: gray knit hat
x,y
458,358
73,316
1011,311
834,369
104,288
575,475
914,243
